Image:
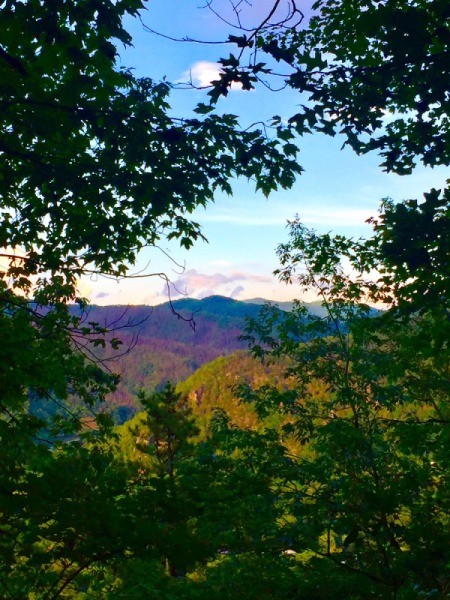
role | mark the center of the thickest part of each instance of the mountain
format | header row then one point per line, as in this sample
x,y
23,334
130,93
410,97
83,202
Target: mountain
x,y
171,341
168,342
314,308
213,386
187,320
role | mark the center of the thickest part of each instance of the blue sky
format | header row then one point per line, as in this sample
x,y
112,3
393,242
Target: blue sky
x,y
337,191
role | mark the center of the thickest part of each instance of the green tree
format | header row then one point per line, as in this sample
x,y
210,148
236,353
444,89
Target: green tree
x,y
375,72
368,513
210,505
93,168
369,510
152,513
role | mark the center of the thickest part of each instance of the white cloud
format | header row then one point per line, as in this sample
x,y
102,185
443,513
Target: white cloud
x,y
194,283
244,220
237,291
84,289
202,73
220,263
336,216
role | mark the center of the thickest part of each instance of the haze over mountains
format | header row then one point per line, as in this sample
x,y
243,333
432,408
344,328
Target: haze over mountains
x,y
315,308
169,342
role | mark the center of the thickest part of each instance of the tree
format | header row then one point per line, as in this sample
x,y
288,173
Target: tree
x,y
375,72
370,503
93,165
368,510
93,168
202,510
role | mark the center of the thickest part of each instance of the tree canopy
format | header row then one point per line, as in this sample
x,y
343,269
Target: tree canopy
x,y
376,72
94,166
345,493
371,488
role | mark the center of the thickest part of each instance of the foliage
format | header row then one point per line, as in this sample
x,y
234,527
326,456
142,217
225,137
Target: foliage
x,y
153,512
116,172
375,72
372,484
215,386
214,500
413,240
162,349
93,168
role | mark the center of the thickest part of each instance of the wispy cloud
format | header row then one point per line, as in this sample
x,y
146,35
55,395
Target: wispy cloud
x,y
331,216
335,216
220,263
237,291
244,220
194,283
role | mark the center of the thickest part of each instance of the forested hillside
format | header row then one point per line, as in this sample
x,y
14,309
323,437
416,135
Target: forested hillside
x,y
216,386
168,342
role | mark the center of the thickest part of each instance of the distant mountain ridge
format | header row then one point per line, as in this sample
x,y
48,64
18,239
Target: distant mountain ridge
x,y
315,308
170,341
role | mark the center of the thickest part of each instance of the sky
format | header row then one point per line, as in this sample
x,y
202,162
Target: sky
x,y
336,192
